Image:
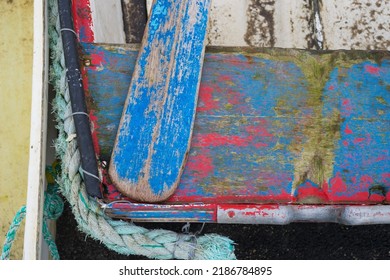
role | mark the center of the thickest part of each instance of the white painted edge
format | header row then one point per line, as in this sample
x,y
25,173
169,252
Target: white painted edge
x,y
36,170
286,214
149,4
107,21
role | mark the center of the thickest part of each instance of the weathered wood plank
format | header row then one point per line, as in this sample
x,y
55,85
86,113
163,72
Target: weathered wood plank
x,y
307,24
33,235
154,135
107,21
283,24
164,213
230,13
357,24
82,20
285,214
110,21
272,125
134,19
360,97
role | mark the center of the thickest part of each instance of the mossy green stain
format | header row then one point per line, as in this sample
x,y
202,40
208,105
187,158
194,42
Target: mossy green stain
x,y
315,156
381,100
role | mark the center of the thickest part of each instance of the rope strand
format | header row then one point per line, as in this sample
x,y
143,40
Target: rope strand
x,y
11,234
53,208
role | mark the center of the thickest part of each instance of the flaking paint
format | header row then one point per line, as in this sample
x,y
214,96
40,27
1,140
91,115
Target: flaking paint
x,y
265,185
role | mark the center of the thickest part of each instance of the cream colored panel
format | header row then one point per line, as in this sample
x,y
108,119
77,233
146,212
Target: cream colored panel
x,y
357,24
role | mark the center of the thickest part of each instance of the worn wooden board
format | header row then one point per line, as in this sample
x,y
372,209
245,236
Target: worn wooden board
x,y
286,24
82,21
103,21
155,131
33,247
107,21
134,19
285,214
357,24
306,24
272,125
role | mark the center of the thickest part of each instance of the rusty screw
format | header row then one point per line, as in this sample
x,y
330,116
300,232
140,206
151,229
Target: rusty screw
x,y
87,62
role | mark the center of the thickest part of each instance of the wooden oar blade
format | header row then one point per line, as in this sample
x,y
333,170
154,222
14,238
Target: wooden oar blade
x,y
154,135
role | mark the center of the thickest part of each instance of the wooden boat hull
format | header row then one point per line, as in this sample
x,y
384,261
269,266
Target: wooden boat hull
x,y
267,129
288,187
270,127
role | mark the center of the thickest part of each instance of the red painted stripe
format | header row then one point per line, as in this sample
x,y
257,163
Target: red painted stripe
x,y
82,20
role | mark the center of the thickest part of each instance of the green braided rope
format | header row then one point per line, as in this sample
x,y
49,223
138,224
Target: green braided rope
x,y
53,208
11,234
123,237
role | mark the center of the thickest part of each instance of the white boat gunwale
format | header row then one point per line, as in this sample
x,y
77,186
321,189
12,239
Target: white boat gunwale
x,y
39,113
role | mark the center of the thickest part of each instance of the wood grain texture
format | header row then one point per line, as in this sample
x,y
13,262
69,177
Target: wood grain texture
x,y
82,20
107,21
134,19
306,24
272,125
33,248
356,24
154,135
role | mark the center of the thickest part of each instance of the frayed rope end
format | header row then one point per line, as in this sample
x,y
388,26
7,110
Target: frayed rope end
x,y
215,247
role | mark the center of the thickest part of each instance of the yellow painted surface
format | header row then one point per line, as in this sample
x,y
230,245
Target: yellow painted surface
x,y
16,45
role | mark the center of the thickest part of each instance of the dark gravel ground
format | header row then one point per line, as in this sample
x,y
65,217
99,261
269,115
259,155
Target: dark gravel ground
x,y
299,241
